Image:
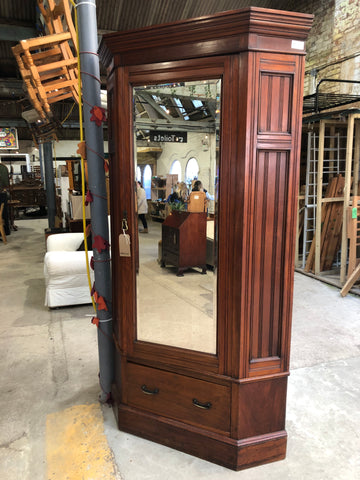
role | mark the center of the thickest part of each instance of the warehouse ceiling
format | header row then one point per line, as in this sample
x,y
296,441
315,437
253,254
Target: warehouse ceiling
x,y
20,19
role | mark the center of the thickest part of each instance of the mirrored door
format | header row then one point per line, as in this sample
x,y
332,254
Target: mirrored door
x,y
176,134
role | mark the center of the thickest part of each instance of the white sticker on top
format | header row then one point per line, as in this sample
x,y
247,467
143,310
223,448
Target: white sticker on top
x,y
297,44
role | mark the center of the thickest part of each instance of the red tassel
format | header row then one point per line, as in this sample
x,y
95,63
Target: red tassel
x,y
92,263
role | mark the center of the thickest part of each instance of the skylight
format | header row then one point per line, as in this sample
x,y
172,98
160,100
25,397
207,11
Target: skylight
x,y
197,103
181,108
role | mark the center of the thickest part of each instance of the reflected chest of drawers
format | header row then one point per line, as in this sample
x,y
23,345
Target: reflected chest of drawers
x,y
184,241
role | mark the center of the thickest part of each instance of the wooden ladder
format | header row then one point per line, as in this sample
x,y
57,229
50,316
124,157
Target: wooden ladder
x,y
331,225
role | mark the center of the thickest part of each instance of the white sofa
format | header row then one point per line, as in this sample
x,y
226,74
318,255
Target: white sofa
x,y
65,271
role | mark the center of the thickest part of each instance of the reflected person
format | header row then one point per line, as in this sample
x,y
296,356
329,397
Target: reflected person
x,y
142,206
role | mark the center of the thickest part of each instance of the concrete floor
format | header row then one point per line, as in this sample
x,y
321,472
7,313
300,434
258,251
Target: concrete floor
x,y
50,368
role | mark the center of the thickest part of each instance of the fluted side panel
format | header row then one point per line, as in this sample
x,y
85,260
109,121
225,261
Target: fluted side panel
x,y
269,230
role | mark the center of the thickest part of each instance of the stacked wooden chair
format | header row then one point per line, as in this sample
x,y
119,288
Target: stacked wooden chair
x,y
48,64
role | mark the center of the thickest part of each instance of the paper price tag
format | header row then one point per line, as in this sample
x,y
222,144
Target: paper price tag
x,y
297,45
124,245
354,212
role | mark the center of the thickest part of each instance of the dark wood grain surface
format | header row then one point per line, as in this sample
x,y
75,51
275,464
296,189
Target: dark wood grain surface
x,y
259,55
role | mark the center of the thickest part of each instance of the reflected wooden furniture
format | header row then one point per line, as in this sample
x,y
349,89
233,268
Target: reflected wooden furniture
x,y
184,241
228,407
161,188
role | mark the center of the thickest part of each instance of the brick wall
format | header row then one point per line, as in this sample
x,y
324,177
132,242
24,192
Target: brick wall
x,y
333,46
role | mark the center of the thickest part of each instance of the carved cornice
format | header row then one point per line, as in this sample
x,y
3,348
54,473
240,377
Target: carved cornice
x,y
223,33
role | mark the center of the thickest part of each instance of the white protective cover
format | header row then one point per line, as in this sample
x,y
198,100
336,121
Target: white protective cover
x,y
64,242
65,271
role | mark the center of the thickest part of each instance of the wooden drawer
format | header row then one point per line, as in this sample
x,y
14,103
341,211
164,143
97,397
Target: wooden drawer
x,y
179,397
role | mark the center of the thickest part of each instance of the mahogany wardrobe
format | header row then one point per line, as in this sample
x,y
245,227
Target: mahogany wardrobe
x,y
206,373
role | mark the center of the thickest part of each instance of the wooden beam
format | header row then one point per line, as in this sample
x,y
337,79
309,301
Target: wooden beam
x,y
350,282
37,42
57,65
348,164
332,228
332,199
356,158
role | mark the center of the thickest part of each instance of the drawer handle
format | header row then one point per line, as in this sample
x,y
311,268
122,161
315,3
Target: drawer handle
x,y
146,390
205,406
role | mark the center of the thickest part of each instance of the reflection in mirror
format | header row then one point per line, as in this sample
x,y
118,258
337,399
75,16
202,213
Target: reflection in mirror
x,y
177,124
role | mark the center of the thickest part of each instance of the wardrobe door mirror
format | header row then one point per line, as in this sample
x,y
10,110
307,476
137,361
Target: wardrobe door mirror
x,y
176,145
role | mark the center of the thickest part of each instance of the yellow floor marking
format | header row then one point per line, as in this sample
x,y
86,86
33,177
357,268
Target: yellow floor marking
x,y
76,446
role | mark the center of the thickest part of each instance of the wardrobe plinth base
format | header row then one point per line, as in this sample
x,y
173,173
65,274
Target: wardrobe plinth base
x,y
213,447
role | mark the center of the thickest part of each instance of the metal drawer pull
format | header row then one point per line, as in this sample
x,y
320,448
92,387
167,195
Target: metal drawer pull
x,y
146,390
205,406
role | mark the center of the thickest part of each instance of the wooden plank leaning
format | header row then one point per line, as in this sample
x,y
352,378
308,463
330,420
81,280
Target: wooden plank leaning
x,y
350,281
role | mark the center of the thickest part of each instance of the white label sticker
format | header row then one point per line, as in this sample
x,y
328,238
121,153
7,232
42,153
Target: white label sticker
x,y
297,44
